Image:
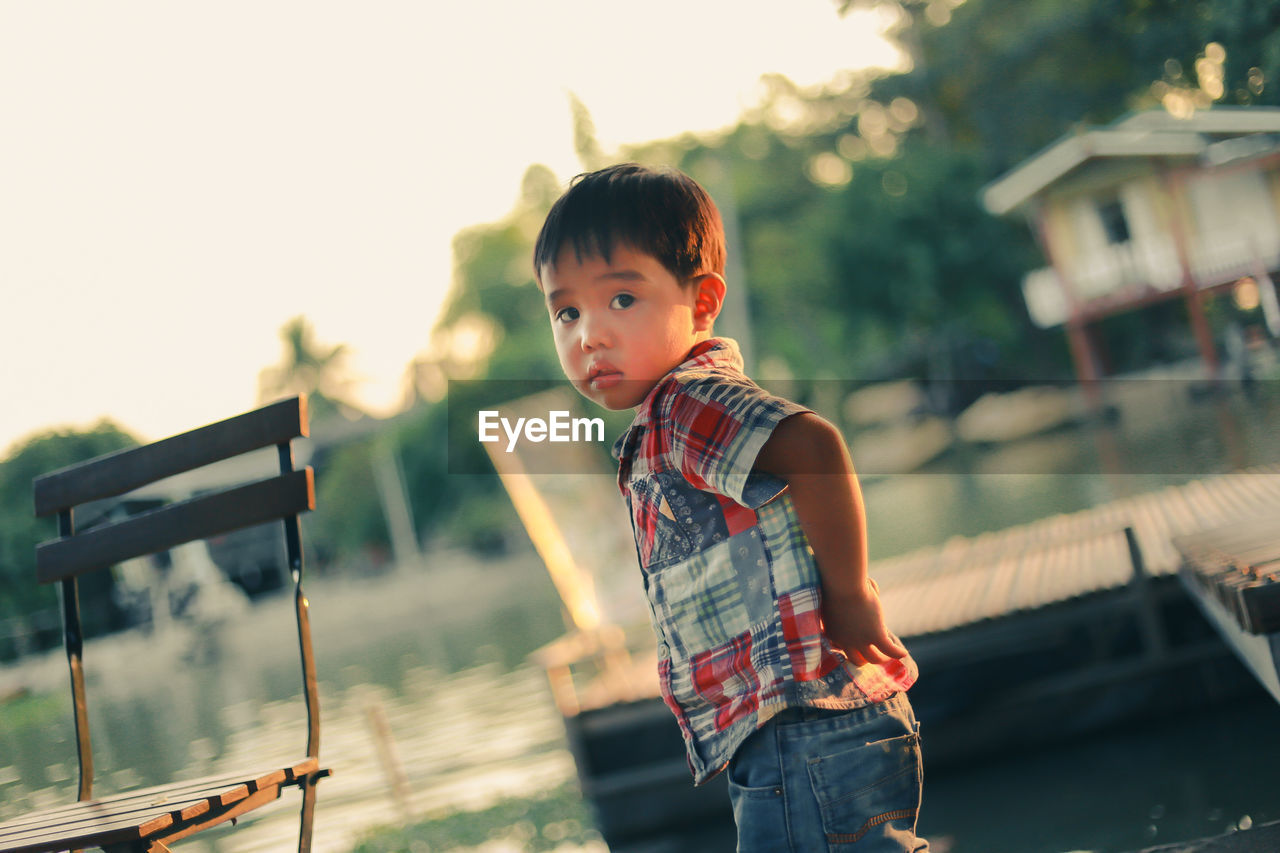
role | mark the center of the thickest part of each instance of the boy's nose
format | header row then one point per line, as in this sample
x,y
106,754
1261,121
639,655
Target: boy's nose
x,y
596,333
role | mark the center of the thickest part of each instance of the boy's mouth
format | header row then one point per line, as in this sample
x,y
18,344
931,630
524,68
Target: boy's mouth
x,y
603,376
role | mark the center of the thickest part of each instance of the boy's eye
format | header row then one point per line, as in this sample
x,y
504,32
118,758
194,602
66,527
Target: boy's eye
x,y
566,315
622,300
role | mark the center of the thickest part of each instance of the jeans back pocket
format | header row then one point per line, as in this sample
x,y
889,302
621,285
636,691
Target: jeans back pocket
x,y
872,790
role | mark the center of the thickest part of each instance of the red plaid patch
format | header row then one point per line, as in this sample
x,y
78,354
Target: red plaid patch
x,y
736,516
726,677
802,631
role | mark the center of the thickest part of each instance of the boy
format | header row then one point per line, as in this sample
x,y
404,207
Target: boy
x,y
773,651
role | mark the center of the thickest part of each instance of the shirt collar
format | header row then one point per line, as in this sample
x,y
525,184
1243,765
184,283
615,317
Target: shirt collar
x,y
713,353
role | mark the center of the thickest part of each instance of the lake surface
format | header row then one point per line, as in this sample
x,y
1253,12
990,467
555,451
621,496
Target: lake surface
x,y
440,652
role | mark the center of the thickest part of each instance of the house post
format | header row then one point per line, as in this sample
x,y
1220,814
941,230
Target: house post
x,y
1194,296
1083,356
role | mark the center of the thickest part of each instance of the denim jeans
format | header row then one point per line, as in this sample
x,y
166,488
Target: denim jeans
x,y
814,780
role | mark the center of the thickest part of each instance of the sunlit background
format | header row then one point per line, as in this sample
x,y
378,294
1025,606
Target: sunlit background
x,y
178,180
944,218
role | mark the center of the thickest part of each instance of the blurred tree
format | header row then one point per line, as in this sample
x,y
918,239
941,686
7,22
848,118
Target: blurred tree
x,y
311,368
456,500
864,243
865,251
585,143
21,598
494,314
494,289
491,344
1007,77
930,283
348,526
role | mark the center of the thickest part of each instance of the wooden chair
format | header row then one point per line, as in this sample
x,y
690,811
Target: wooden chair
x,y
151,819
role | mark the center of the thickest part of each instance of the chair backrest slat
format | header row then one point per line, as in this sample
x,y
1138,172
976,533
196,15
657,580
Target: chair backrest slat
x,y
159,529
117,473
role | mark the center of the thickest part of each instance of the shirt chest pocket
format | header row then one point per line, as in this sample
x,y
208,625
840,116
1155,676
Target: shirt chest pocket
x,y
662,538
677,520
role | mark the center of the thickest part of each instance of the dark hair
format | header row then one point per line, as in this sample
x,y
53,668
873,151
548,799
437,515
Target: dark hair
x,y
661,212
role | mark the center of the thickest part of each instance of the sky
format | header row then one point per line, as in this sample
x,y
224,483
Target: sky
x,y
178,180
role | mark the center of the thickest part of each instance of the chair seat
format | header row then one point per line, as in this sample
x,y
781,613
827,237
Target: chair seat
x,y
135,819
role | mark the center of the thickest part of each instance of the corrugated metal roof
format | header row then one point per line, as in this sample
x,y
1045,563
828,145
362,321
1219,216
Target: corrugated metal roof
x,y
1055,559
1155,133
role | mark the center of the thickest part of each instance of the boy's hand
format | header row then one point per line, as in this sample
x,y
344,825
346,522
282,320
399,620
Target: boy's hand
x,y
810,455
854,622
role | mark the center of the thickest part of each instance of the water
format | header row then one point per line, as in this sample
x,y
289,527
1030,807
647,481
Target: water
x,y
1122,790
441,652
1160,437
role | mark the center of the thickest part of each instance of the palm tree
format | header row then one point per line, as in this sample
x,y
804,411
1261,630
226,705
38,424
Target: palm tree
x,y
311,368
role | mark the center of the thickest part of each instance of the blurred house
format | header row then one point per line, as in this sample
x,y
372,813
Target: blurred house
x,y
1151,208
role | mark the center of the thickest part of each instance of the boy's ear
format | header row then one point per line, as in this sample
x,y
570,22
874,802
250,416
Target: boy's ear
x,y
709,300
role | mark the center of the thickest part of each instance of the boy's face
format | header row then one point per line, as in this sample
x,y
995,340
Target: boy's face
x,y
621,325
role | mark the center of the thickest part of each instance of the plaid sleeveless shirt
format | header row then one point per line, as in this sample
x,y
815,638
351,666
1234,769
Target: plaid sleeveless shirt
x,y
733,590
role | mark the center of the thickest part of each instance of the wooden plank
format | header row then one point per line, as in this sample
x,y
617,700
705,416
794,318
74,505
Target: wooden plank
x,y
1077,575
1251,487
1207,504
136,815
1242,533
1055,574
90,829
1232,497
1269,483
182,829
1176,505
134,820
996,600
1120,560
162,795
1154,535
1029,568
126,470
113,828
968,601
174,524
75,816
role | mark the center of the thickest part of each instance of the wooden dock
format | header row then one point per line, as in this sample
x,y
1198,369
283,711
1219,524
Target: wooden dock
x,y
1233,573
1063,557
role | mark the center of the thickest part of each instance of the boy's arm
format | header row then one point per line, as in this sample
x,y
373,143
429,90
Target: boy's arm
x,y
810,455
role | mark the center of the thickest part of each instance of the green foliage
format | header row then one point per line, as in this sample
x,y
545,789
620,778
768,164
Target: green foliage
x,y
918,251
884,270
453,493
22,715
21,597
539,823
456,496
853,208
1007,77
493,277
348,520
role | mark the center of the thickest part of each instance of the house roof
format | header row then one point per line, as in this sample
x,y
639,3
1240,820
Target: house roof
x,y
1154,133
